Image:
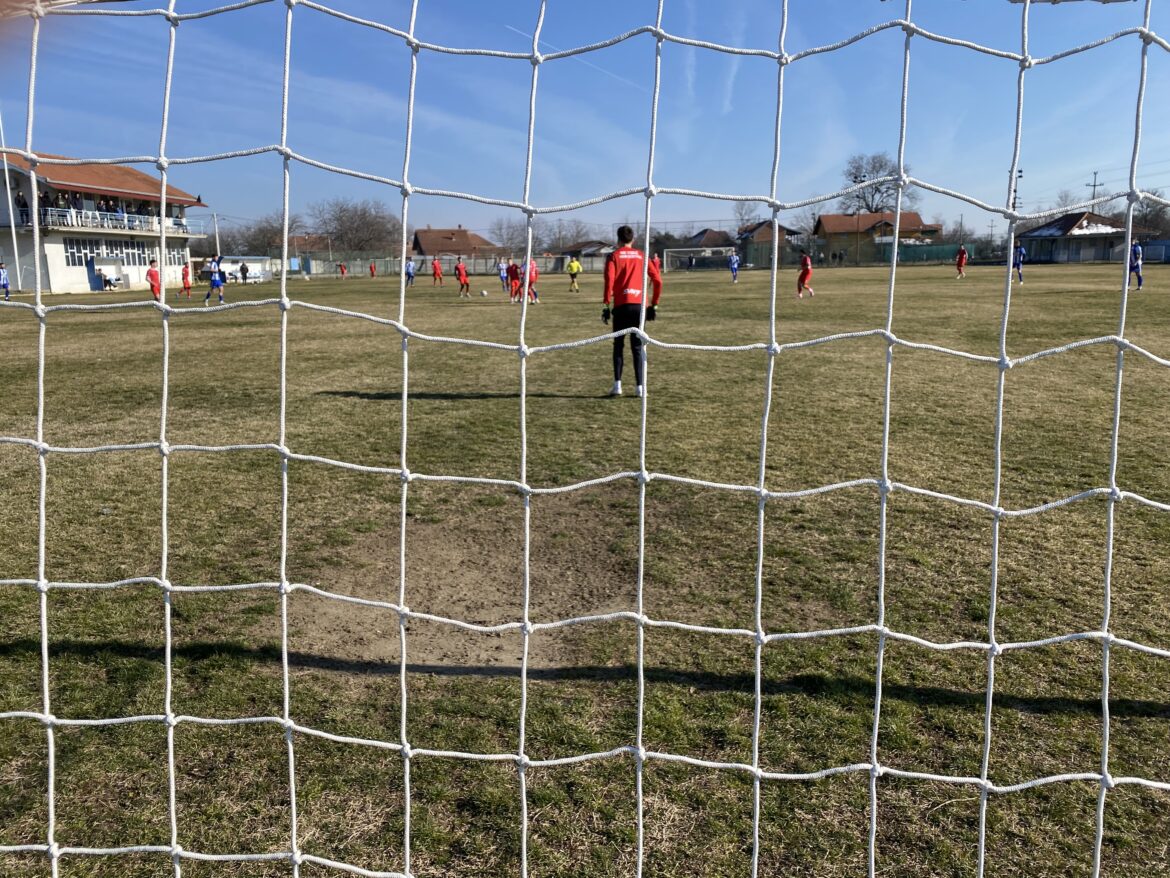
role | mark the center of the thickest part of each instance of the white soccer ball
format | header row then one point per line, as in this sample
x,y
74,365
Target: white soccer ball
x,y
483,292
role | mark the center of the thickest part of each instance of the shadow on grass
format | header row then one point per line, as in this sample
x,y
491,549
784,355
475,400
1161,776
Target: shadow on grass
x,y
846,689
441,395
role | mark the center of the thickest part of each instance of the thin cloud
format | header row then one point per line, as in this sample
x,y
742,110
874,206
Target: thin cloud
x,y
738,33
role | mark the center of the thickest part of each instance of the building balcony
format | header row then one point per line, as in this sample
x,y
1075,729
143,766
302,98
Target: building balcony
x,y
55,218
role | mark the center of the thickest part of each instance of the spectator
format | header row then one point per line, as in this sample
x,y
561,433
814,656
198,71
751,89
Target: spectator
x,y
21,207
243,272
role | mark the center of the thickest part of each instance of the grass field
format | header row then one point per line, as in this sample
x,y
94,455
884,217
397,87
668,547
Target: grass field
x,y
464,560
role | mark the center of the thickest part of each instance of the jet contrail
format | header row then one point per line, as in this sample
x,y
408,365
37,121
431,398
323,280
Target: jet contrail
x,y
581,60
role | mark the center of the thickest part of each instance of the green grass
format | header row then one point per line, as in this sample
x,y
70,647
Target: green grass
x,y
103,385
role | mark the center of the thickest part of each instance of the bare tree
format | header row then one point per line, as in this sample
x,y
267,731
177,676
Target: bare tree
x,y
746,213
876,197
265,235
511,234
559,234
805,221
356,225
1150,219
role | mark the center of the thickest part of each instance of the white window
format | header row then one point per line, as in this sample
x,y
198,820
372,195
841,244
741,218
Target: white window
x,y
73,252
78,250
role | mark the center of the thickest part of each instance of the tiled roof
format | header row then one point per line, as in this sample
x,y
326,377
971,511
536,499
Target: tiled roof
x,y
589,248
762,231
432,242
710,238
121,181
1069,223
308,243
839,223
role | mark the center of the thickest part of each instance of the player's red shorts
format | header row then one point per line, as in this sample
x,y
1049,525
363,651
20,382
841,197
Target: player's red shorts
x,y
802,281
515,288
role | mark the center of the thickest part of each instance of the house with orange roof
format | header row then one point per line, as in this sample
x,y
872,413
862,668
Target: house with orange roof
x,y
94,217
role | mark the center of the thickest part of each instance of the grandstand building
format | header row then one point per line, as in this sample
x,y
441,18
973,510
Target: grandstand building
x,y
93,218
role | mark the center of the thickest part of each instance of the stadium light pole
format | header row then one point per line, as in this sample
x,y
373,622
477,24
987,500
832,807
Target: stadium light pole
x,y
857,179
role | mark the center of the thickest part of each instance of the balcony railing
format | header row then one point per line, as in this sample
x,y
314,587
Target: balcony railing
x,y
64,217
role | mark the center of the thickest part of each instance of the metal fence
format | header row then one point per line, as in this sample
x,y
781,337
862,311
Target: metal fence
x,y
324,263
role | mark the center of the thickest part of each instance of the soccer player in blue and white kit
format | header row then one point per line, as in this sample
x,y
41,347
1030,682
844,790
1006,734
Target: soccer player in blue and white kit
x,y
733,264
502,268
1135,261
1019,256
216,280
4,280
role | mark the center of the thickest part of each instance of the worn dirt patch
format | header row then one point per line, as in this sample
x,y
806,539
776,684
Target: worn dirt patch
x,y
465,561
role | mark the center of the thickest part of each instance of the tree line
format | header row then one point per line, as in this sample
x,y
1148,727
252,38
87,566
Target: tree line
x,y
370,226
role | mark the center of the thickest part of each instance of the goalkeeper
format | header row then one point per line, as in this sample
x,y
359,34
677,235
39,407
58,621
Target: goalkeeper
x,y
623,289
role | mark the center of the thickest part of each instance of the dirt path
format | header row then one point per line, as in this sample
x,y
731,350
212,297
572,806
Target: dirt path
x,y
466,563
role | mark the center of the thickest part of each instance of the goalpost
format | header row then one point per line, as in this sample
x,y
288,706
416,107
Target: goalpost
x,y
695,258
398,331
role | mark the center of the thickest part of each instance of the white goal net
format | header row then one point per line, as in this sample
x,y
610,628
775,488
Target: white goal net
x,y
296,854
695,258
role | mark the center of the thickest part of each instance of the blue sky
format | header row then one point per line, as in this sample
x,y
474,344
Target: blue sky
x,y
100,86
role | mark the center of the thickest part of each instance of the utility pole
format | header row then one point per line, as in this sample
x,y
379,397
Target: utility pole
x,y
857,180
960,228
991,235
1094,184
1014,184
215,222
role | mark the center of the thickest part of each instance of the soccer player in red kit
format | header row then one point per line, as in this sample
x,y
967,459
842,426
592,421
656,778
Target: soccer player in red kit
x,y
436,272
461,276
373,270
152,278
186,280
533,274
342,268
961,262
805,274
623,287
514,282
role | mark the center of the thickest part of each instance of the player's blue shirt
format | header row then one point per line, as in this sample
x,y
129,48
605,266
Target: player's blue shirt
x,y
1135,254
733,261
410,269
3,277
1020,255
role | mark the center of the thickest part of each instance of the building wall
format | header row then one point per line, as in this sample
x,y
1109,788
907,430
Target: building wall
x,y
1075,248
61,277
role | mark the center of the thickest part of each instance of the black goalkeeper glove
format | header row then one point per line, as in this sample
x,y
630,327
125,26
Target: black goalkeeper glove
x,y
605,314
651,313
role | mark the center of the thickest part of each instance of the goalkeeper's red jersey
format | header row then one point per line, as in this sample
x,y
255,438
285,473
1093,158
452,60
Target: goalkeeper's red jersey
x,y
623,278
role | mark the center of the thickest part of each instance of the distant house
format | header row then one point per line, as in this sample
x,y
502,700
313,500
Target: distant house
x,y
709,238
859,237
584,249
453,242
1080,236
755,243
93,217
298,244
